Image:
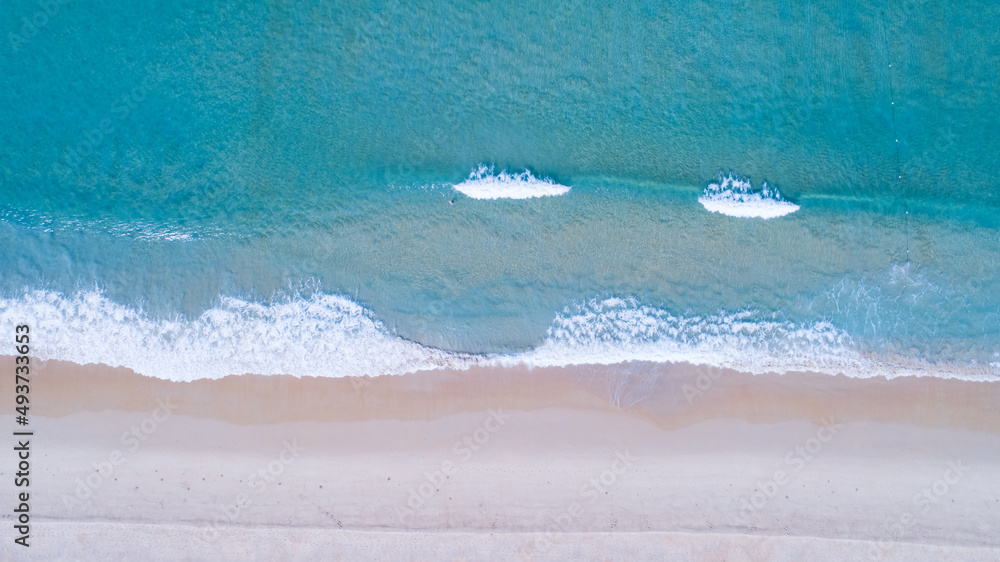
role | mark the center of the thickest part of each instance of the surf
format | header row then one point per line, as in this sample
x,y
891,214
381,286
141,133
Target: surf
x,y
329,335
483,183
735,197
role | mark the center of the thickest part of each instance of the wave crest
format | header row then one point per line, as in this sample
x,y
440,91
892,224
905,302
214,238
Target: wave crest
x,y
735,196
615,330
330,335
482,183
325,335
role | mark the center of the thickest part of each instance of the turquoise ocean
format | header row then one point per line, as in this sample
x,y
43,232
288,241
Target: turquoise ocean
x,y
199,189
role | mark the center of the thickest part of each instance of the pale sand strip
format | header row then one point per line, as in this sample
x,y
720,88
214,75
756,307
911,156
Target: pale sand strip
x,y
160,542
365,450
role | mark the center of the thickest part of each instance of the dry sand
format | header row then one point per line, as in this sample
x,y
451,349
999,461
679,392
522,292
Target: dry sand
x,y
640,461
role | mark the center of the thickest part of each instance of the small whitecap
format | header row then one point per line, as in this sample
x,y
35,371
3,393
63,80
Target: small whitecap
x,y
735,196
482,183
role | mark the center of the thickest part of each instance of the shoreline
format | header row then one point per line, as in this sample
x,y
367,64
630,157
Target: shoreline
x,y
667,395
766,347
542,464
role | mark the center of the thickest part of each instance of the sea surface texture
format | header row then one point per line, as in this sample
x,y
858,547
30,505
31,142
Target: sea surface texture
x,y
199,189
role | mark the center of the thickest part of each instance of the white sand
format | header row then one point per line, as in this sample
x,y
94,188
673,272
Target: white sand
x,y
674,474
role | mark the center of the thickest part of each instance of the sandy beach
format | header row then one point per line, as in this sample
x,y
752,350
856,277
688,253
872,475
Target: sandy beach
x,y
634,461
500,281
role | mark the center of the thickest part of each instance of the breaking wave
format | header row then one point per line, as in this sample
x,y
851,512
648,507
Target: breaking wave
x,y
482,183
330,335
736,197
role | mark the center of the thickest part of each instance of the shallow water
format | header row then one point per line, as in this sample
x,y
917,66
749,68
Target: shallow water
x,y
169,170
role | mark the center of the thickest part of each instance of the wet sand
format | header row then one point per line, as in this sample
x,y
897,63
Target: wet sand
x,y
637,461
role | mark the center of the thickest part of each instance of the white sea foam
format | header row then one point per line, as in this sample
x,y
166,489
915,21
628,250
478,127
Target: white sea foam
x,y
326,335
735,197
330,335
484,184
615,330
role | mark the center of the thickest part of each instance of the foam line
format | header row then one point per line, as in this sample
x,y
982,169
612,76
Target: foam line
x,y
330,335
